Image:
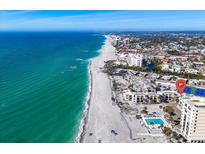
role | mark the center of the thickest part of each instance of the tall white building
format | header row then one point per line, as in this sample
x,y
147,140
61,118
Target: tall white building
x,y
135,59
116,41
126,41
193,118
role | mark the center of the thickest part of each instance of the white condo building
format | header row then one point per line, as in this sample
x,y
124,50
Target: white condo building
x,y
126,41
193,118
135,59
116,41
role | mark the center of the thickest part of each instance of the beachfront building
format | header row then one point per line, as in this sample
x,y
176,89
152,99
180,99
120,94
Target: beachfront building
x,y
135,59
140,97
133,97
152,98
168,95
193,118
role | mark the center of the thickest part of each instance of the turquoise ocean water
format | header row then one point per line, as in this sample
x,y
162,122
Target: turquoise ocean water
x,y
43,84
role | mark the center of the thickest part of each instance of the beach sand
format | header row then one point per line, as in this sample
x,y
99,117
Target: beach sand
x,y
103,116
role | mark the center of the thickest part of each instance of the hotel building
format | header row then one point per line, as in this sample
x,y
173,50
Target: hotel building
x,y
193,118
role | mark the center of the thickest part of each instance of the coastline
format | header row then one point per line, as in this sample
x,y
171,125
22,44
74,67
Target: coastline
x,y
101,115
83,121
84,118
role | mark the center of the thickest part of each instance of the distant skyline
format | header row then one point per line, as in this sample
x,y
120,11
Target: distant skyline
x,y
102,20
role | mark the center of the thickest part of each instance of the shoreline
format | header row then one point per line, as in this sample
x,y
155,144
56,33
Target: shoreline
x,y
103,115
84,119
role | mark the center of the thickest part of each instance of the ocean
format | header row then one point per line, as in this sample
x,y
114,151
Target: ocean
x,y
43,84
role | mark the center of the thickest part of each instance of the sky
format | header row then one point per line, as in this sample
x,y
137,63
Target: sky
x,y
31,20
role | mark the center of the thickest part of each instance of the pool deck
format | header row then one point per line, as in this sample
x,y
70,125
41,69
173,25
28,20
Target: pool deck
x,y
139,133
154,126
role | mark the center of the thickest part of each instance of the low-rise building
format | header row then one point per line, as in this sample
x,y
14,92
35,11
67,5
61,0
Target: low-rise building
x,y
165,67
176,68
198,65
140,97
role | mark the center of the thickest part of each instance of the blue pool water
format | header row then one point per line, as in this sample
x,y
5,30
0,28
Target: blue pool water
x,y
154,121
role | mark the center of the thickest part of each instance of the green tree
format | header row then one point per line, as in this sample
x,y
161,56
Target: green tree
x,y
167,131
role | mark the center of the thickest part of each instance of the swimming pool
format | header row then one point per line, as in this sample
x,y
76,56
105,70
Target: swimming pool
x,y
153,121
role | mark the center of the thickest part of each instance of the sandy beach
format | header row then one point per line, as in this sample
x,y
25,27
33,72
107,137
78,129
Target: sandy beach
x,y
102,115
104,122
